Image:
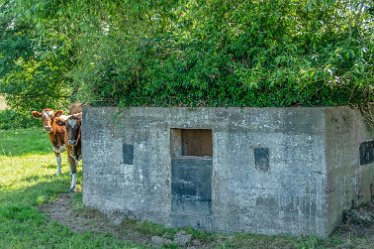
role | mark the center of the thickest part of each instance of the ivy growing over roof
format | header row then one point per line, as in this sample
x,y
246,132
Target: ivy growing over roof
x,y
197,53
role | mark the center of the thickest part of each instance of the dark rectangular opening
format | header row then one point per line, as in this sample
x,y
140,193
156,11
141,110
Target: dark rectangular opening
x,y
262,159
196,142
366,152
128,153
191,152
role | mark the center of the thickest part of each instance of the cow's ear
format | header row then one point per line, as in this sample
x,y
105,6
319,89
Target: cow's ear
x,y
58,113
78,115
60,122
36,114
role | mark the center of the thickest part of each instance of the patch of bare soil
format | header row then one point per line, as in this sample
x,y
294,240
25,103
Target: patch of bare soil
x,y
358,222
62,211
88,220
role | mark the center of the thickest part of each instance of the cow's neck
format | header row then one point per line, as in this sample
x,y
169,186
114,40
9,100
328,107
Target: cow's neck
x,y
57,139
79,136
78,150
58,129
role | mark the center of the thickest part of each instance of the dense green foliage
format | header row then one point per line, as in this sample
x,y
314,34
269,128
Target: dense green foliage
x,y
11,119
35,56
189,52
241,53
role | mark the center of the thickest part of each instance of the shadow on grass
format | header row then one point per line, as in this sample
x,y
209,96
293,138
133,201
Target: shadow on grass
x,y
46,190
24,225
31,178
23,206
20,206
52,166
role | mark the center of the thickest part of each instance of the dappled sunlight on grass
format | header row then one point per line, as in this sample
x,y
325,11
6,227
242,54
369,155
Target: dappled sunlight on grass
x,y
27,180
26,159
28,168
25,171
31,179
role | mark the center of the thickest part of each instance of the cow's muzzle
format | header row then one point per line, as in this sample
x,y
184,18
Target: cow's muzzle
x,y
72,142
48,128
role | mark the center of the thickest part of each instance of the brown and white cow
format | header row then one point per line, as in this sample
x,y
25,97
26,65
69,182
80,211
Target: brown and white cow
x,y
56,133
58,136
72,125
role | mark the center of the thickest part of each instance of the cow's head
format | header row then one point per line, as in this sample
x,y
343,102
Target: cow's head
x,y
47,116
73,126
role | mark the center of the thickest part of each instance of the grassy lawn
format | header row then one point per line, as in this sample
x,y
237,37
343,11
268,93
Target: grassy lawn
x,y
28,180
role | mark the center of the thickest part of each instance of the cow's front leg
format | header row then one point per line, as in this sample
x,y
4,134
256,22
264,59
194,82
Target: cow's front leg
x,y
73,169
58,159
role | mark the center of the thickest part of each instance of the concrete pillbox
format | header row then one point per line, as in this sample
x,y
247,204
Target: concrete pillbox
x,y
260,170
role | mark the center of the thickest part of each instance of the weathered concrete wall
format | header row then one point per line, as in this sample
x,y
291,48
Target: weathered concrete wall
x,y
273,170
348,183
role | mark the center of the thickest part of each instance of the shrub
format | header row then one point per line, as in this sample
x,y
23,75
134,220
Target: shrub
x,y
218,53
10,119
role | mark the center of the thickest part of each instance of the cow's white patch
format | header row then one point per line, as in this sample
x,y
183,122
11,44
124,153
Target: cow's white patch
x,y
73,181
59,149
63,117
72,122
58,159
47,113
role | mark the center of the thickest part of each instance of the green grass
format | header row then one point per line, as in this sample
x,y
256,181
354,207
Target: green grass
x,y
27,180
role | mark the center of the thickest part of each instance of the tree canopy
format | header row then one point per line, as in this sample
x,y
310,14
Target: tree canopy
x,y
35,57
187,52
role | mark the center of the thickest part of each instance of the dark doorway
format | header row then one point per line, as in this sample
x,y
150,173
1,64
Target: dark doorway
x,y
191,161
